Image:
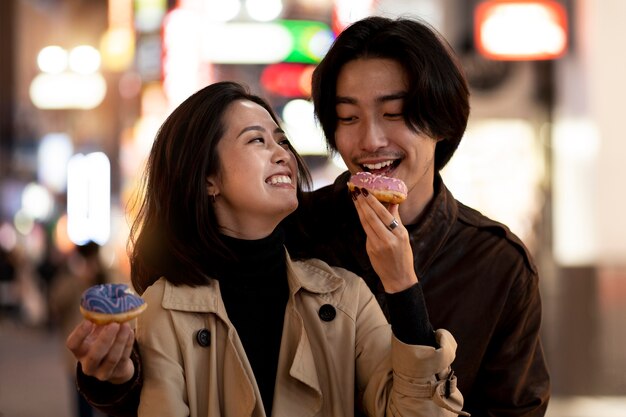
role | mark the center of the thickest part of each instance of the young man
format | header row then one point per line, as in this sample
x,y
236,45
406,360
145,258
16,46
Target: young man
x,y
392,100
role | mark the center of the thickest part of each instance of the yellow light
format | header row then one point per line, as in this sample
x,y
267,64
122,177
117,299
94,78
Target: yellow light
x,y
67,91
118,48
84,59
52,59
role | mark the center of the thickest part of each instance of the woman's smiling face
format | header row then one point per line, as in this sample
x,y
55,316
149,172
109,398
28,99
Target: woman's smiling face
x,y
257,183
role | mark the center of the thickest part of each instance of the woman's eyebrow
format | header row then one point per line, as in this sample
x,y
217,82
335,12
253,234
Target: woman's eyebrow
x,y
249,128
260,129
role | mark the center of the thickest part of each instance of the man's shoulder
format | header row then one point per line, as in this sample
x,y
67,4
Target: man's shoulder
x,y
496,232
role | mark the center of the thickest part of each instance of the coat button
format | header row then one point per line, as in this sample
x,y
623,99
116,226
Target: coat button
x,y
203,337
327,312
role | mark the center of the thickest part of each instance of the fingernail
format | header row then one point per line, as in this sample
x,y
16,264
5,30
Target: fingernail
x,y
365,192
357,191
353,195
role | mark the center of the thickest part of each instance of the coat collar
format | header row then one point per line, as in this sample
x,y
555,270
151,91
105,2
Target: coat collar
x,y
313,276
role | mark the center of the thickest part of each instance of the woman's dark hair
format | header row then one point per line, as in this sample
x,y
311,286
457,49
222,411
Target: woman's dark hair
x,y
176,231
437,100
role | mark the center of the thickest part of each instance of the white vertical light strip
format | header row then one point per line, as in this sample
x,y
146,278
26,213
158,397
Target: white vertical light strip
x,y
89,198
575,157
497,170
181,55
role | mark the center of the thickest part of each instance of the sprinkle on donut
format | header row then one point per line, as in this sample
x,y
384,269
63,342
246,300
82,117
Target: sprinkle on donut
x,y
385,189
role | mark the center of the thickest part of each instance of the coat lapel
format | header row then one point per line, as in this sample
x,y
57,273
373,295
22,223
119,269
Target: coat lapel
x,y
296,358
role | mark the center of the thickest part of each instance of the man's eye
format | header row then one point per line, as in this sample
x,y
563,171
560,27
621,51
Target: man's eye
x,y
394,115
346,119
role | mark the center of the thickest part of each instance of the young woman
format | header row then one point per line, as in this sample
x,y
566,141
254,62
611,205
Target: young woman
x,y
234,327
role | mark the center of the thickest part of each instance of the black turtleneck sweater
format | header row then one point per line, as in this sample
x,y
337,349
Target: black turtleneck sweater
x,y
255,291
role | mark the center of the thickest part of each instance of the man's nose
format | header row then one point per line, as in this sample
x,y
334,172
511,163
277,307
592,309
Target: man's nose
x,y
373,136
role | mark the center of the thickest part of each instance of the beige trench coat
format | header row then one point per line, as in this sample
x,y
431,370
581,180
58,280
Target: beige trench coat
x,y
321,362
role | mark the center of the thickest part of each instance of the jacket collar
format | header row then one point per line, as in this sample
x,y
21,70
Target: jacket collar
x,y
431,231
427,236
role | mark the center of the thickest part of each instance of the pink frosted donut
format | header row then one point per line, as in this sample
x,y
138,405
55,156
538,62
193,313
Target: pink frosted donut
x,y
108,303
385,189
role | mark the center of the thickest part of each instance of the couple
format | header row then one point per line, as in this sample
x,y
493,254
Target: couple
x,y
221,179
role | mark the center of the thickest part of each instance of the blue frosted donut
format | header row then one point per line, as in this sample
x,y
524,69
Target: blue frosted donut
x,y
110,302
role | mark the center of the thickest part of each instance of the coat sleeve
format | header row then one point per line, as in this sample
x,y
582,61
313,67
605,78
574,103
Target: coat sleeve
x,y
114,400
163,392
397,379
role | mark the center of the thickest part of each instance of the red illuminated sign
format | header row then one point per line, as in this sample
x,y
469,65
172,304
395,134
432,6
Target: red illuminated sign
x,y
521,30
288,80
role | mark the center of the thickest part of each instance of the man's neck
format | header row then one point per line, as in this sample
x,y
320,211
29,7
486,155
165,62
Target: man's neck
x,y
417,200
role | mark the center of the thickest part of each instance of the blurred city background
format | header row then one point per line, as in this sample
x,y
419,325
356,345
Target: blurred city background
x,y
84,84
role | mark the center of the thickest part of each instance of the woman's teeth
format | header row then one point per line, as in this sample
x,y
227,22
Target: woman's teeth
x,y
279,179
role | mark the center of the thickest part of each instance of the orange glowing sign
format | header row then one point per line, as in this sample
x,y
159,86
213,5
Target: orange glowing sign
x,y
521,30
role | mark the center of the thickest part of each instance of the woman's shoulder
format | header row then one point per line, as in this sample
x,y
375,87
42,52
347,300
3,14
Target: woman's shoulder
x,y
155,290
318,276
171,296
320,267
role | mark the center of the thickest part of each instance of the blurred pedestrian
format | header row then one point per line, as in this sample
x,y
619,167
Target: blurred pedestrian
x,y
82,269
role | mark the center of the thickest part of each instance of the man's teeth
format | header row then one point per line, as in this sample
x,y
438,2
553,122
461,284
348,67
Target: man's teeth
x,y
378,165
279,179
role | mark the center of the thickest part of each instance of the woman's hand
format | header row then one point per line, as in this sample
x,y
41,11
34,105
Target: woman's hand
x,y
103,351
387,245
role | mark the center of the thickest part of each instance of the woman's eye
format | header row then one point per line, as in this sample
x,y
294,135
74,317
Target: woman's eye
x,y
284,143
259,140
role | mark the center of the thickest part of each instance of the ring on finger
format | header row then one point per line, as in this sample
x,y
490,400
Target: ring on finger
x,y
393,224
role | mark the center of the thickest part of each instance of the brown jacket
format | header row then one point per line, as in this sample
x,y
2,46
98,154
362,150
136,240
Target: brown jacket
x,y
321,362
479,282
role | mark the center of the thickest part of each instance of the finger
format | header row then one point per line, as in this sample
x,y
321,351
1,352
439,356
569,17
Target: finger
x,y
367,216
129,342
77,337
118,350
125,368
118,354
378,217
99,349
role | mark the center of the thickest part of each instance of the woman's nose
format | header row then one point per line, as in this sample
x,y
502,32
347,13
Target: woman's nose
x,y
281,155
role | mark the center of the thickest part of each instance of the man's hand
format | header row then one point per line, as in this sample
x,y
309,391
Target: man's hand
x,y
103,351
387,245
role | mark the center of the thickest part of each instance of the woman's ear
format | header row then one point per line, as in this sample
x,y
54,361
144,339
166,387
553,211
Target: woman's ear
x,y
211,187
